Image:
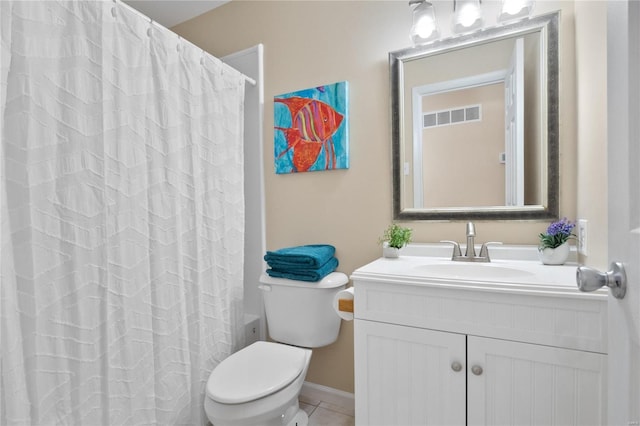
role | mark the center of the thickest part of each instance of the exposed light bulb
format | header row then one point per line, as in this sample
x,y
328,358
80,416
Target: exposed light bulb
x,y
514,9
467,16
424,28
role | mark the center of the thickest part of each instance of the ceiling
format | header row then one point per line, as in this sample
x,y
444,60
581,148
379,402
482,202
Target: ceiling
x,y
173,12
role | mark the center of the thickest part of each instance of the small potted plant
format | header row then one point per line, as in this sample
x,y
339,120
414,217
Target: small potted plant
x,y
394,238
554,244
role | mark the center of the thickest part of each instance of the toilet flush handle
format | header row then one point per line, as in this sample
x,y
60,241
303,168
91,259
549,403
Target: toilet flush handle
x,y
264,287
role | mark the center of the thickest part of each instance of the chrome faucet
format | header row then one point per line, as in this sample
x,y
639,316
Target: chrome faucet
x,y
470,252
471,234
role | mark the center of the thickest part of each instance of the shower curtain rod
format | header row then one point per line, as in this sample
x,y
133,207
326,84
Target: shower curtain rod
x,y
248,79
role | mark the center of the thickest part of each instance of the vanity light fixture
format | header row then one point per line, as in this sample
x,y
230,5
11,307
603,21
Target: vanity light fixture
x,y
467,15
515,9
424,28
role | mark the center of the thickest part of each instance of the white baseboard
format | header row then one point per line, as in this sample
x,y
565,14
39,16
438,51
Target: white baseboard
x,y
327,394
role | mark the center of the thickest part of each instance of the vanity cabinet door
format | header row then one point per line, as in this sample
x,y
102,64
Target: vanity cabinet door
x,y
408,376
525,384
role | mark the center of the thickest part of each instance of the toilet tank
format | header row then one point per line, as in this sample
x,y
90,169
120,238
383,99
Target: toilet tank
x,y
301,313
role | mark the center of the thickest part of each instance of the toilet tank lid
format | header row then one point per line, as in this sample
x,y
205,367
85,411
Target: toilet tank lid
x,y
256,371
333,280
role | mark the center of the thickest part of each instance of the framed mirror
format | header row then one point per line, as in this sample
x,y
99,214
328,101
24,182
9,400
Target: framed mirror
x,y
475,125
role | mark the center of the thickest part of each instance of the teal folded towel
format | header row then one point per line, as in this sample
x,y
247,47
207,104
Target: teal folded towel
x,y
300,257
311,274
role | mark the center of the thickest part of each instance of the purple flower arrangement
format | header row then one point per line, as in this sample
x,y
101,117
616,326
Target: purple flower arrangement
x,y
557,234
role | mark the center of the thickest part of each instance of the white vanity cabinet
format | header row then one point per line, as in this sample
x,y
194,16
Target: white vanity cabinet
x,y
521,350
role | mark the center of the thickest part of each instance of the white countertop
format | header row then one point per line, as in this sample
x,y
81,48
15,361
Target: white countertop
x,y
503,273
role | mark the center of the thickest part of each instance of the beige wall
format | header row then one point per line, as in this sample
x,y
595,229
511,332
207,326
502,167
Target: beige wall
x,y
454,151
591,60
309,43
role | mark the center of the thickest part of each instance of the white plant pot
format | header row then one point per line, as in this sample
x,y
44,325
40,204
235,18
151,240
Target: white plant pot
x,y
390,252
554,256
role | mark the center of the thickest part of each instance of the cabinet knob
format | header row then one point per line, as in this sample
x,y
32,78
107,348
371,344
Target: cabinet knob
x,y
456,366
477,370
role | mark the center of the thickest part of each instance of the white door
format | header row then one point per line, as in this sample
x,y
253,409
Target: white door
x,y
514,127
623,77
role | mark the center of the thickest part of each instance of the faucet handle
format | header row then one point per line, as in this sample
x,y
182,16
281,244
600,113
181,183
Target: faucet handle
x,y
484,250
456,248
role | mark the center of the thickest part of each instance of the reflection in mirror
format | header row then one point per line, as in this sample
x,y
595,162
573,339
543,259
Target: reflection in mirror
x,y
475,125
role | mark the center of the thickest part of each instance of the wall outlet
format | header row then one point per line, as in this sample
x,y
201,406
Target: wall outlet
x,y
582,236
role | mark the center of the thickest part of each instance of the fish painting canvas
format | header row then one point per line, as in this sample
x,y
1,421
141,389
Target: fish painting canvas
x,y
311,131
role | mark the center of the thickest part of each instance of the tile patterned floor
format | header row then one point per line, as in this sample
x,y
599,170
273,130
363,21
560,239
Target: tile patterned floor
x,y
326,413
326,408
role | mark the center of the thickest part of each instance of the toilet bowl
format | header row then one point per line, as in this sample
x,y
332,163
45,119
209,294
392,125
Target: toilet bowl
x,y
260,384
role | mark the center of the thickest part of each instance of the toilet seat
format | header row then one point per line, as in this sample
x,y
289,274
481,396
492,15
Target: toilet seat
x,y
254,372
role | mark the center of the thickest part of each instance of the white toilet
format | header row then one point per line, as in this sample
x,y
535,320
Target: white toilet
x,y
260,384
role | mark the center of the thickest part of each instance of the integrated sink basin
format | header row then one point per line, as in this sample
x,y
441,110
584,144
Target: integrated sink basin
x,y
472,271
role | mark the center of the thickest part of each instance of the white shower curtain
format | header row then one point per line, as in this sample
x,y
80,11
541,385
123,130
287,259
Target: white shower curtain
x,y
122,217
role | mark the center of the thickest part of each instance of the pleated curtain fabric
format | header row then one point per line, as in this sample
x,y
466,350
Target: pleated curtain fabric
x,y
122,217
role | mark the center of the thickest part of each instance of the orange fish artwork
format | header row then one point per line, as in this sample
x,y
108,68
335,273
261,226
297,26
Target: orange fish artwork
x,y
311,129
